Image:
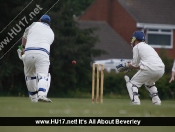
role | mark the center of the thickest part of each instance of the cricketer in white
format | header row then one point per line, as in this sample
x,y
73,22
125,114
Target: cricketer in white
x,y
151,69
36,42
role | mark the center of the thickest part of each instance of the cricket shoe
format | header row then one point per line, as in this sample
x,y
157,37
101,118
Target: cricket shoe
x,y
136,100
135,103
156,100
44,99
33,98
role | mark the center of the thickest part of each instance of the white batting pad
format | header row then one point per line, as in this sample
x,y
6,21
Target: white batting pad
x,y
152,90
154,95
132,91
126,78
31,84
43,84
32,87
48,84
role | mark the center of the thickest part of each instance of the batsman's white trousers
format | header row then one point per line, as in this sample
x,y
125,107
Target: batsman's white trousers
x,y
35,63
147,76
36,66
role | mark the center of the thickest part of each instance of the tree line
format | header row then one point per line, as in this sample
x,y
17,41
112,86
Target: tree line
x,y
71,43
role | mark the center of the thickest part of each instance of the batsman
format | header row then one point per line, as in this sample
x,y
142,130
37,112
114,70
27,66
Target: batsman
x,y
34,52
150,69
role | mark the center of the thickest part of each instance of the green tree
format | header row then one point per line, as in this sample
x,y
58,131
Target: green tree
x,y
10,65
78,7
70,43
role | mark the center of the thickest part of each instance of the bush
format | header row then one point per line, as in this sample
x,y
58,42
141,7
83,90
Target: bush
x,y
115,84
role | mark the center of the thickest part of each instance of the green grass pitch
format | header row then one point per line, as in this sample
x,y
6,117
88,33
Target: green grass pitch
x,y
70,107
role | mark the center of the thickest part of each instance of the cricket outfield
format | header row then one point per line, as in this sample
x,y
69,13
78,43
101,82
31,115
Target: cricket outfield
x,y
71,107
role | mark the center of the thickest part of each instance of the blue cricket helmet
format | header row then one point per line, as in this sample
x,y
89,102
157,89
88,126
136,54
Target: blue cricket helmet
x,y
46,18
139,35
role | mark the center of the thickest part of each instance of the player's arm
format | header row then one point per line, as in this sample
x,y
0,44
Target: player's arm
x,y
173,73
128,65
133,67
136,59
24,38
172,76
21,48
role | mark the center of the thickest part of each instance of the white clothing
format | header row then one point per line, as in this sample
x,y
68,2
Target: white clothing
x,y
39,36
151,65
34,65
151,69
147,77
36,61
145,55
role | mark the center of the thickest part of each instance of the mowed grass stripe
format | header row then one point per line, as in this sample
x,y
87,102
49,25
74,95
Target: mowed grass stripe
x,y
71,107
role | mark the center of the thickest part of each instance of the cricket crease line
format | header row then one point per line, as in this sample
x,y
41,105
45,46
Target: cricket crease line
x,y
16,17
21,37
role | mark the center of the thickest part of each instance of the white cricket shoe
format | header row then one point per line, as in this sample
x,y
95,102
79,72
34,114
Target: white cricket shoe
x,y
44,99
135,103
136,100
156,100
34,98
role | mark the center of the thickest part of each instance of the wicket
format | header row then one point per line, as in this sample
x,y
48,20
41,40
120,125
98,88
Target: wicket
x,y
96,78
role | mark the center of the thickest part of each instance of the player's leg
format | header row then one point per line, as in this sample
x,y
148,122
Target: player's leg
x,y
43,84
48,85
153,94
133,91
44,78
136,82
30,77
152,89
31,83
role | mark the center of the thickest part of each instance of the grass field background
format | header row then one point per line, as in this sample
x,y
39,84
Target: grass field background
x,y
64,107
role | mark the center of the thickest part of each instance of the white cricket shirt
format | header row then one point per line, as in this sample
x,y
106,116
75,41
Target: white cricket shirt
x,y
145,55
39,38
